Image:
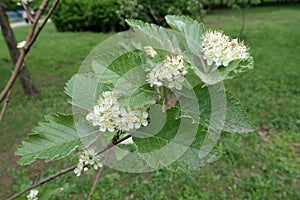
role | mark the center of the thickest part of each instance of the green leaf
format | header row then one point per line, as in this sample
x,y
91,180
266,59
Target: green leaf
x,y
173,142
236,120
157,36
99,66
150,30
54,138
129,78
236,67
160,137
166,138
191,28
191,160
84,90
126,62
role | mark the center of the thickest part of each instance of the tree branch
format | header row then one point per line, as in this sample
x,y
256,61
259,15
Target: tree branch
x,y
95,183
96,179
44,22
6,101
27,11
45,180
64,171
31,37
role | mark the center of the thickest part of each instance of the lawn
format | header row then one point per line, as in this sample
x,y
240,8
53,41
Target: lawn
x,y
261,165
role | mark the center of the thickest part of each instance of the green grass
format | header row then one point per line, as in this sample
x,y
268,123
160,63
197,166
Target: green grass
x,y
261,165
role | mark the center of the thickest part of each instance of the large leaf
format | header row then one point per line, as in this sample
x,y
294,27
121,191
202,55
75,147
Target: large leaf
x,y
54,138
174,143
166,138
236,120
191,159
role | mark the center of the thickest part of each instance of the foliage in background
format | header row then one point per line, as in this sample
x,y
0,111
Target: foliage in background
x,y
107,15
12,5
86,15
153,11
110,15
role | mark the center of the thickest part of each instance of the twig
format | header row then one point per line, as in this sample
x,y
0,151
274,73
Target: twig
x,y
45,180
64,171
44,22
96,179
6,101
27,11
95,183
110,145
31,37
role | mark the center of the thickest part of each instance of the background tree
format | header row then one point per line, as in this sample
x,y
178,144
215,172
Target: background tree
x,y
7,32
242,5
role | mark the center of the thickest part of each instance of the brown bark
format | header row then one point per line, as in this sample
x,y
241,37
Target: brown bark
x,y
24,76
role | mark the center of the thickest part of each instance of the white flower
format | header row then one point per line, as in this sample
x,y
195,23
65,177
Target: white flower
x,y
110,116
33,195
218,49
87,160
21,45
150,51
171,72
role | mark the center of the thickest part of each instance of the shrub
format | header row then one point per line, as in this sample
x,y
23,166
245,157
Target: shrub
x,y
86,15
151,11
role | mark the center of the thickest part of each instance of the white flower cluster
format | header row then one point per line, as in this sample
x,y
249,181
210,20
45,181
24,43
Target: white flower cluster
x,y
109,115
33,195
219,49
86,160
171,71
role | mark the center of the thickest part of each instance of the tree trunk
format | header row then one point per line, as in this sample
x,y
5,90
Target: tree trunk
x,y
24,76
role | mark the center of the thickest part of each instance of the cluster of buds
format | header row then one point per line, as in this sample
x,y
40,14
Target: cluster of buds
x,y
110,116
170,72
219,50
87,160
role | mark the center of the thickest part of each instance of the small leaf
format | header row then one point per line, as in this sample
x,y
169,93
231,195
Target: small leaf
x,y
54,138
191,28
237,120
236,67
157,36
